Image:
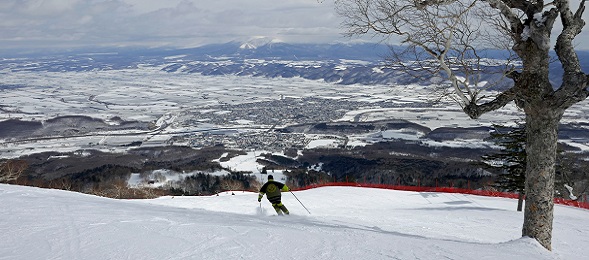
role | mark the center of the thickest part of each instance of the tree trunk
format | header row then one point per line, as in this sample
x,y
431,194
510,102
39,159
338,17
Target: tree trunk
x,y
542,137
520,201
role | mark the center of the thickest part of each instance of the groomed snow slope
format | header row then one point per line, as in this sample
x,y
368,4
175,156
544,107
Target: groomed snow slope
x,y
346,223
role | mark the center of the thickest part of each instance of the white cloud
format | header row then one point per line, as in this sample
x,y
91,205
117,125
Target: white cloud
x,y
37,7
182,23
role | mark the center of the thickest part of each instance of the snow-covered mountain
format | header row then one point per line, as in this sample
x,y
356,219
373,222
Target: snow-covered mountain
x,y
259,57
345,223
257,42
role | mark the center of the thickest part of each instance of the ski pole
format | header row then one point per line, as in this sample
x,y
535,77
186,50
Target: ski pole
x,y
300,202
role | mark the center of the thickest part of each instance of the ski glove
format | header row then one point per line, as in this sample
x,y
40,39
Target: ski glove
x,y
259,199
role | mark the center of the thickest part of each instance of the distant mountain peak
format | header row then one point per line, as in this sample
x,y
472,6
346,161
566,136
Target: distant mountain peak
x,y
257,42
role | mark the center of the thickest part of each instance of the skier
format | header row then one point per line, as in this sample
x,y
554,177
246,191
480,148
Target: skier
x,y
273,189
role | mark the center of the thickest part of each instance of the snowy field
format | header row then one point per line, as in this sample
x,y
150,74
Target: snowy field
x,y
345,223
148,94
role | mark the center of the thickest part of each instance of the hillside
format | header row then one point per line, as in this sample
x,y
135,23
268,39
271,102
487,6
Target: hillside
x,y
346,223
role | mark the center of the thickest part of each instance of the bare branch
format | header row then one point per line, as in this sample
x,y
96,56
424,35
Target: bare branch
x,y
475,111
573,24
450,32
10,170
575,82
426,3
504,7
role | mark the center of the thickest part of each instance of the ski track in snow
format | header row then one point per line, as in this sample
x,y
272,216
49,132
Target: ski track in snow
x,y
346,223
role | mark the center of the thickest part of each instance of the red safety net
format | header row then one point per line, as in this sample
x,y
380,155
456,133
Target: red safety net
x,y
488,193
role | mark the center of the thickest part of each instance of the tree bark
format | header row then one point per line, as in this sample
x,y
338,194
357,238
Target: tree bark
x,y
520,201
543,114
542,136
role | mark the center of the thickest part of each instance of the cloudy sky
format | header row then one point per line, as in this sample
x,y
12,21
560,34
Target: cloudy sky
x,y
40,24
184,23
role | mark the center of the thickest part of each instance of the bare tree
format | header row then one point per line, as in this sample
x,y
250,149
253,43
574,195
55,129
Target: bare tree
x,y
448,34
10,170
232,185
